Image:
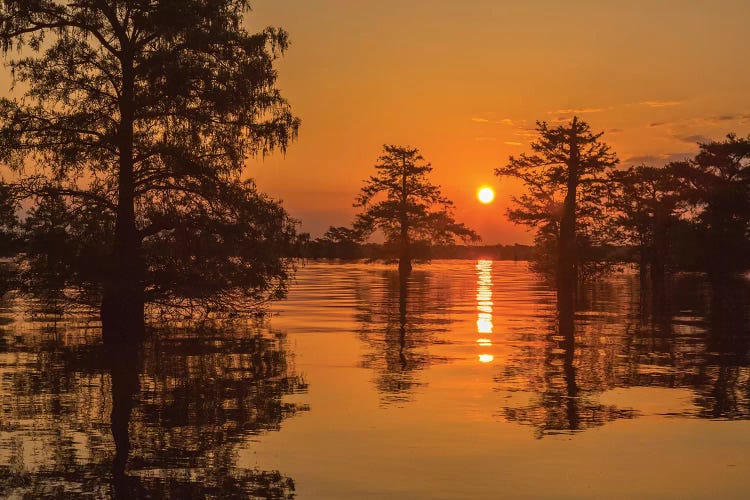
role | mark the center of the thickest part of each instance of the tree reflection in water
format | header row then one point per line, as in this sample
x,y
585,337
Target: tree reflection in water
x,y
177,410
558,367
564,386
699,343
401,316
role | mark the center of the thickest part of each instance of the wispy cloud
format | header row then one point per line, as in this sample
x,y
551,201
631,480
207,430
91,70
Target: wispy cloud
x,y
695,139
703,121
502,121
660,104
657,160
513,143
505,121
580,111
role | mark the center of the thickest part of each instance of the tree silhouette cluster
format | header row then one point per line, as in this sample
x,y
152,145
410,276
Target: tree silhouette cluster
x,y
693,214
401,202
136,121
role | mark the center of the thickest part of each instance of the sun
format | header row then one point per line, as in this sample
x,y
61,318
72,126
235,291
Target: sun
x,y
486,194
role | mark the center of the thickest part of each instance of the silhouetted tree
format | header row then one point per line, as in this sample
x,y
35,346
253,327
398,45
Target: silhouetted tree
x,y
47,263
412,207
137,108
9,224
718,184
341,243
647,203
9,232
219,259
562,176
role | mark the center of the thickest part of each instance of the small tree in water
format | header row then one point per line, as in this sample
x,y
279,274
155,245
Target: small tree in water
x,y
562,176
647,204
406,206
717,183
140,109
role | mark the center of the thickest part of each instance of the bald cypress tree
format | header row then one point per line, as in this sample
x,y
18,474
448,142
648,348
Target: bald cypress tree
x,y
717,183
561,175
139,108
401,201
647,203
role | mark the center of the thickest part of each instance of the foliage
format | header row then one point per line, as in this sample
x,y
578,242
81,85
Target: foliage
x,y
9,234
644,198
64,253
401,201
9,224
229,256
132,108
563,179
717,184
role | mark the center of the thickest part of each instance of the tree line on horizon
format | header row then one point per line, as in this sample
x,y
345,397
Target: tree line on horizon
x,y
689,215
130,139
586,212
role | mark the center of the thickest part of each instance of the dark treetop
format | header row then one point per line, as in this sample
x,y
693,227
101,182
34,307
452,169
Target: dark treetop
x,y
145,110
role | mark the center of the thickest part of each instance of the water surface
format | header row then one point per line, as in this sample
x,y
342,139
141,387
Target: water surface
x,y
459,383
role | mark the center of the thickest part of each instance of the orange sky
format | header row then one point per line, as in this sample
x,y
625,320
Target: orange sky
x,y
464,81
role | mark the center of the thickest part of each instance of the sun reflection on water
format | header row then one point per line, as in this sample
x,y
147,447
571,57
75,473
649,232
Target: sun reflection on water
x,y
484,307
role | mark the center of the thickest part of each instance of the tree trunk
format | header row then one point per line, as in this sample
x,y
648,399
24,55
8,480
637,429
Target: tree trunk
x,y
658,267
404,258
567,275
643,275
122,307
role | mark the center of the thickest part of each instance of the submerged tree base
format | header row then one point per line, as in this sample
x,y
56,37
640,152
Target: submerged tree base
x,y
122,318
404,267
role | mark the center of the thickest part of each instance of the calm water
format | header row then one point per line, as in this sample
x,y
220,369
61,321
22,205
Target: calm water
x,y
457,384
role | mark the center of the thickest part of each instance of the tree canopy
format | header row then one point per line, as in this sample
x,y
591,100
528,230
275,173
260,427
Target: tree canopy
x,y
563,199
717,184
401,201
646,204
145,110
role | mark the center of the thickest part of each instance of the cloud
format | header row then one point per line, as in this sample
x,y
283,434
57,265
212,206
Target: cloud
x,y
657,160
726,118
502,121
571,111
513,143
694,139
700,121
660,104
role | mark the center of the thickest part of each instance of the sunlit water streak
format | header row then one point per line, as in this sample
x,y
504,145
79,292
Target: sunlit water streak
x,y
455,384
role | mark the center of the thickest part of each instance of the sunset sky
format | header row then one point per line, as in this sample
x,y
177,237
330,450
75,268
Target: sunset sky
x,y
465,81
